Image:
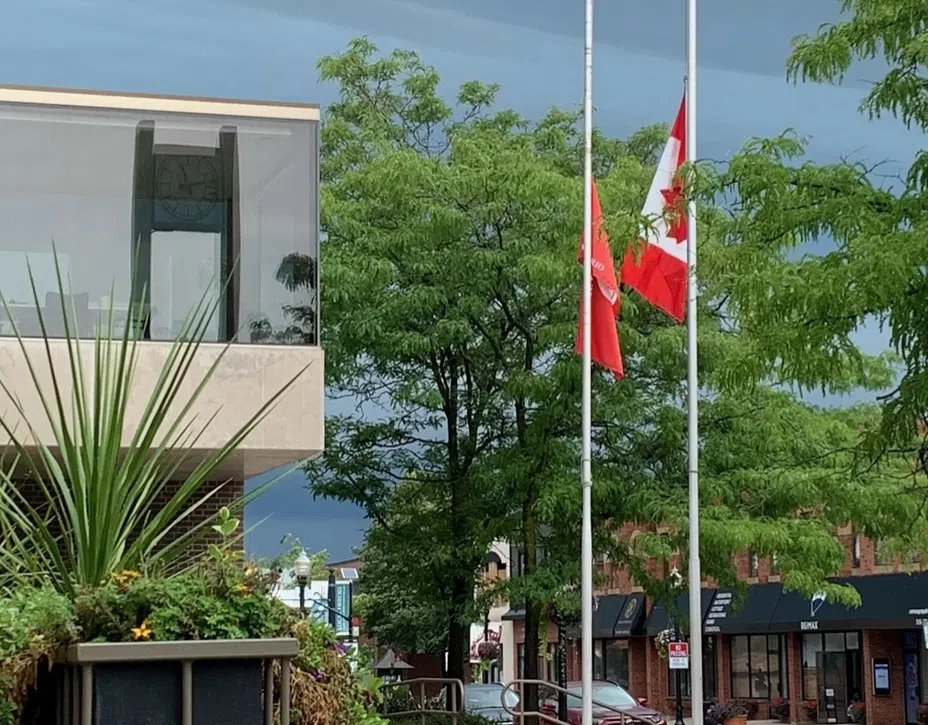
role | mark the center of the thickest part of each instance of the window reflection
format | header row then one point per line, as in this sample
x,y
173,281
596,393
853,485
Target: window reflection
x,y
199,206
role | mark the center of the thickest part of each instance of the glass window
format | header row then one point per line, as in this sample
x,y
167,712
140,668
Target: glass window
x,y
598,663
616,661
180,199
753,564
756,664
708,673
883,554
812,645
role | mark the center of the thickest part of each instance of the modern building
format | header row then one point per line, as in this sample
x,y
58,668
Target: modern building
x,y
764,643
200,198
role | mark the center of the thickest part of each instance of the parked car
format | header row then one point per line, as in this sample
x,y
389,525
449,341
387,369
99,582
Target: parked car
x,y
605,693
487,701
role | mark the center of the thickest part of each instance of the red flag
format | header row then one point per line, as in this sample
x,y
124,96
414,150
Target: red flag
x,y
660,274
604,310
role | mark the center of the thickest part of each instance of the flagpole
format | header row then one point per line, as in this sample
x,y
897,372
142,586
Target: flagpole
x,y
695,573
586,476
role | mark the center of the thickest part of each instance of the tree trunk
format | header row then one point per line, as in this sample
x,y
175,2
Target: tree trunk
x,y
532,613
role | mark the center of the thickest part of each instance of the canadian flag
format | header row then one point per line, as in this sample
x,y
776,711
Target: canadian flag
x,y
604,310
660,273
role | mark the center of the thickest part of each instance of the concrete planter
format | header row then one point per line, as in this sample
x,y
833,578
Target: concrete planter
x,y
226,682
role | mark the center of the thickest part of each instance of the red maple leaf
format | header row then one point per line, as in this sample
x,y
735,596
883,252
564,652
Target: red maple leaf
x,y
675,212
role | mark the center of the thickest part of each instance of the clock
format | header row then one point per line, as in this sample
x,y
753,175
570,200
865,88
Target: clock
x,y
188,187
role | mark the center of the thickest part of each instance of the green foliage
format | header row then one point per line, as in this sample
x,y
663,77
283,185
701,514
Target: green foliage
x,y
867,244
102,507
34,622
450,301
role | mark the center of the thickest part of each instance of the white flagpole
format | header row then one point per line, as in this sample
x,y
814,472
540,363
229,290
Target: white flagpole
x,y
695,572
586,476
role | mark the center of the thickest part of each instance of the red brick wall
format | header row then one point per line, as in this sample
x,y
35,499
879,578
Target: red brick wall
x,y
229,493
889,708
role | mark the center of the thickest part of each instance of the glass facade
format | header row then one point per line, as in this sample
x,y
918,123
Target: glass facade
x,y
215,208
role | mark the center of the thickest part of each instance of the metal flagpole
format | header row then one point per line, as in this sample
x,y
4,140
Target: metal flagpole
x,y
695,573
586,476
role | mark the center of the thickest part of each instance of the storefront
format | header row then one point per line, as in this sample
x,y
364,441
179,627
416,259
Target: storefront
x,y
861,657
616,619
663,687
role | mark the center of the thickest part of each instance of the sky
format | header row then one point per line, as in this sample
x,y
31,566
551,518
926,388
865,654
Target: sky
x,y
267,50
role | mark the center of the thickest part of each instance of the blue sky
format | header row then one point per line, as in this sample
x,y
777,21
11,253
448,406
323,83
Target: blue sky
x,y
267,49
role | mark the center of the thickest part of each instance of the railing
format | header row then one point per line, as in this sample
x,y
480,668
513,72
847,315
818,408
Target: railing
x,y
518,716
454,687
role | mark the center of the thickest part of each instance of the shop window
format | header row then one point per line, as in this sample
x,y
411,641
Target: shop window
x,y
709,677
758,666
547,666
610,661
833,661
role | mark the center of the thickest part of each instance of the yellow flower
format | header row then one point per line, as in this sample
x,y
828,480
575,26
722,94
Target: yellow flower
x,y
142,633
242,589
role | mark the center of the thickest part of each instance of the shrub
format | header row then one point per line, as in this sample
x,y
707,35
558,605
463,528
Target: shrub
x,y
779,708
720,712
811,708
33,623
857,713
921,714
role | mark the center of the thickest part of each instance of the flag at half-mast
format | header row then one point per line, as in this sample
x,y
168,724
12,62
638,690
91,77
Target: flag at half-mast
x,y
658,272
604,310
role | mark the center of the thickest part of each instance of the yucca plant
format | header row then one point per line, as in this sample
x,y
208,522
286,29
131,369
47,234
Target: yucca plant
x,y
102,507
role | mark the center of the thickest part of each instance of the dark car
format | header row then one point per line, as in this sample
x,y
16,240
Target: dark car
x,y
605,693
487,701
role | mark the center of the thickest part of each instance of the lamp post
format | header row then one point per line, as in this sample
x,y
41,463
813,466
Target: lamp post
x,y
301,571
676,582
333,612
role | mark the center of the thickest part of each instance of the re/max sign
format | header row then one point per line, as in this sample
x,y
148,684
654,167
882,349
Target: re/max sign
x,y
807,626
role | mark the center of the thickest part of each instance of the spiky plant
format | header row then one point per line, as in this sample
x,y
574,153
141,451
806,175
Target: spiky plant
x,y
103,505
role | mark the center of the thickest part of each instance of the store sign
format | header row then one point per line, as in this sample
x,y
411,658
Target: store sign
x,y
718,612
678,655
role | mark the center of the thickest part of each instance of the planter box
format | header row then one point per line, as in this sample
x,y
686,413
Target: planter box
x,y
226,682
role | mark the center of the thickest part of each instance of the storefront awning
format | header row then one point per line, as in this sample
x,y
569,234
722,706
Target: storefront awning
x,y
887,601
748,614
631,616
606,610
513,614
659,618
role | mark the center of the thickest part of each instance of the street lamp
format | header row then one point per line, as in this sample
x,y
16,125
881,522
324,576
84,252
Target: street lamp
x,y
676,581
301,571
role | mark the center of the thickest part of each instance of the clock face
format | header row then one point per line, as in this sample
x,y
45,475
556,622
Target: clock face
x,y
188,187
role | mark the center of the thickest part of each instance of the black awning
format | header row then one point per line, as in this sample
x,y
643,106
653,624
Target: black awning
x,y
631,617
659,618
887,601
513,614
748,614
606,611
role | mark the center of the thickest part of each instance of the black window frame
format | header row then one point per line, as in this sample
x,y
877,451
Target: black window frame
x,y
779,655
709,665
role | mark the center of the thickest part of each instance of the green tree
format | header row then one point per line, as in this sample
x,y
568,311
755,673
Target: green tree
x,y
867,235
450,296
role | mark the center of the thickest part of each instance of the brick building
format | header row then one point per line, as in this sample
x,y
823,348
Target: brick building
x,y
187,193
771,644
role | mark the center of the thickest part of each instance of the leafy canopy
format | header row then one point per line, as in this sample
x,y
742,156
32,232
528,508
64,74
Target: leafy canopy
x,y
450,297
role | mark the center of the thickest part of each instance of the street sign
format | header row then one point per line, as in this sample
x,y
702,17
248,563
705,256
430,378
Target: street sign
x,y
678,655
